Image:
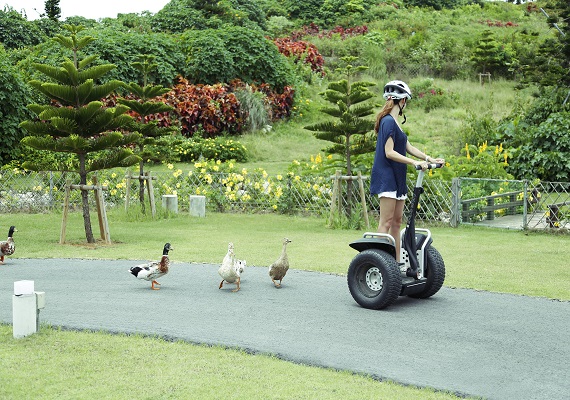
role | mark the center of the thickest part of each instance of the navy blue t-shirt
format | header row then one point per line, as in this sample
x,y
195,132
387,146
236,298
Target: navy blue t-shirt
x,y
388,175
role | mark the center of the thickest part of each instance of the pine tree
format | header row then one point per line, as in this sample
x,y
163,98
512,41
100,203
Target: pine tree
x,y
76,121
144,107
349,132
52,9
487,53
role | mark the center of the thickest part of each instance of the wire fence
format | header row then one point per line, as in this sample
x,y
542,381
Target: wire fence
x,y
536,205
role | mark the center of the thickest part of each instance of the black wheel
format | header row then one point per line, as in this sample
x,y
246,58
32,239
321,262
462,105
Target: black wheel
x,y
435,274
374,279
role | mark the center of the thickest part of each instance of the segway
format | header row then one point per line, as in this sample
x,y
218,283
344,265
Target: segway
x,y
375,279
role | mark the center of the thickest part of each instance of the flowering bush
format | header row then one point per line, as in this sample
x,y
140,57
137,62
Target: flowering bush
x,y
429,96
180,149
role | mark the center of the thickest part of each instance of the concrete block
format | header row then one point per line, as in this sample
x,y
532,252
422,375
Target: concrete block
x,y
198,206
170,202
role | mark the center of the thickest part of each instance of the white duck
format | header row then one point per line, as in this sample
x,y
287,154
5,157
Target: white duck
x,y
153,270
231,269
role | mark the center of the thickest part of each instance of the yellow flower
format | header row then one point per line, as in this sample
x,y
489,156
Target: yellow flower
x,y
275,206
113,175
170,166
113,192
279,177
467,151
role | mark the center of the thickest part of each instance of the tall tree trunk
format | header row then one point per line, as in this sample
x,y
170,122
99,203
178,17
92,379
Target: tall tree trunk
x,y
141,184
85,201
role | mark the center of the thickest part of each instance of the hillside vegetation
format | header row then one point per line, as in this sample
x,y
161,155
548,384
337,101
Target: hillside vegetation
x,y
277,56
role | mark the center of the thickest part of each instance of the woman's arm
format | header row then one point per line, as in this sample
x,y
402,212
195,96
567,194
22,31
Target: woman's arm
x,y
419,154
395,156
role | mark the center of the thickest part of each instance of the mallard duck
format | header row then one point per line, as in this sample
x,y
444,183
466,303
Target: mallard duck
x,y
231,269
8,247
155,269
279,268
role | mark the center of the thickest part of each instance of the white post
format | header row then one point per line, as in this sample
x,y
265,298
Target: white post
x,y
198,206
26,305
170,202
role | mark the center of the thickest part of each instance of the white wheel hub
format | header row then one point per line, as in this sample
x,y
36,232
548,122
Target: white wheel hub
x,y
374,279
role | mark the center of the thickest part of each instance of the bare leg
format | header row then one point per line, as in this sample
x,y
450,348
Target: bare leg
x,y
391,220
221,284
154,283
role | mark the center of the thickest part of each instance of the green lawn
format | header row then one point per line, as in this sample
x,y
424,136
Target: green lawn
x,y
56,364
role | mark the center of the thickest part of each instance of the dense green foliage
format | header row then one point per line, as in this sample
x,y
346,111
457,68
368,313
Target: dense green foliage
x,y
15,95
208,42
235,52
180,15
16,31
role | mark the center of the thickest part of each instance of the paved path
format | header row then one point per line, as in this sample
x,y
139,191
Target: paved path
x,y
474,343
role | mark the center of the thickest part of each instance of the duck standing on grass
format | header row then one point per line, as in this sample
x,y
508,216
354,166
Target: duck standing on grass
x,y
231,269
8,247
155,269
279,268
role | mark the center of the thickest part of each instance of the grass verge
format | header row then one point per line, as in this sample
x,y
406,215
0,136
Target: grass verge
x,y
60,364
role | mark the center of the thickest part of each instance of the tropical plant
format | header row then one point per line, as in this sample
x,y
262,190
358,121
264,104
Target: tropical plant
x,y
145,108
208,109
349,131
76,121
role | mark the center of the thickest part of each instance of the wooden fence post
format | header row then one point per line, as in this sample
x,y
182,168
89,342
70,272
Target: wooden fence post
x,y
363,200
65,212
335,196
455,202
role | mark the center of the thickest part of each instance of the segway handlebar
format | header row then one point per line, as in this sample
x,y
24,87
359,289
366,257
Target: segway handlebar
x,y
430,166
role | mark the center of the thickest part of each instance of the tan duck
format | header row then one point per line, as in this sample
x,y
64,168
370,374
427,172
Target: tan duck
x,y
8,247
231,269
279,268
155,269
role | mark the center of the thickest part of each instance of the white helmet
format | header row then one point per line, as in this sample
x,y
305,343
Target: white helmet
x,y
397,90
